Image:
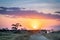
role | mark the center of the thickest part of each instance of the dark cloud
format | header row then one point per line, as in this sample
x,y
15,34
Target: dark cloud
x,y
57,12
12,8
26,13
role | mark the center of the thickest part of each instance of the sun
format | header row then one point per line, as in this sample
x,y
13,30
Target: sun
x,y
35,24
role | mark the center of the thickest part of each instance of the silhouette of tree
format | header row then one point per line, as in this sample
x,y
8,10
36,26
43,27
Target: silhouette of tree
x,y
15,26
5,29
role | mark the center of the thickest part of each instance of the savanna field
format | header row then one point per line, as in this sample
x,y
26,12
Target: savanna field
x,y
13,36
26,35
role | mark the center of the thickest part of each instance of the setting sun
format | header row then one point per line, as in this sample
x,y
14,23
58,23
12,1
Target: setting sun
x,y
35,24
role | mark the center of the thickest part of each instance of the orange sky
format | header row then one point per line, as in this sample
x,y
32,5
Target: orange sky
x,y
28,23
31,14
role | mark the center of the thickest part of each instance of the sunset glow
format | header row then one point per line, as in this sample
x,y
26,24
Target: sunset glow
x,y
28,23
31,14
35,24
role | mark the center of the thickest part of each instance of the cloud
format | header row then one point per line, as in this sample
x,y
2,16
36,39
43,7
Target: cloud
x,y
27,13
39,5
58,12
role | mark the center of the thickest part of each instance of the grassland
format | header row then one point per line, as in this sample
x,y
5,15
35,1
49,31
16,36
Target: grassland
x,y
52,36
25,36
13,36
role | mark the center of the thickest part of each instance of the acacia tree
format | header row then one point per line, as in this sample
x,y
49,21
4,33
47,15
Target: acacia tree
x,y
15,26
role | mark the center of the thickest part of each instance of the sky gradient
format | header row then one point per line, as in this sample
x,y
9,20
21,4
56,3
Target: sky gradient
x,y
31,14
38,5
